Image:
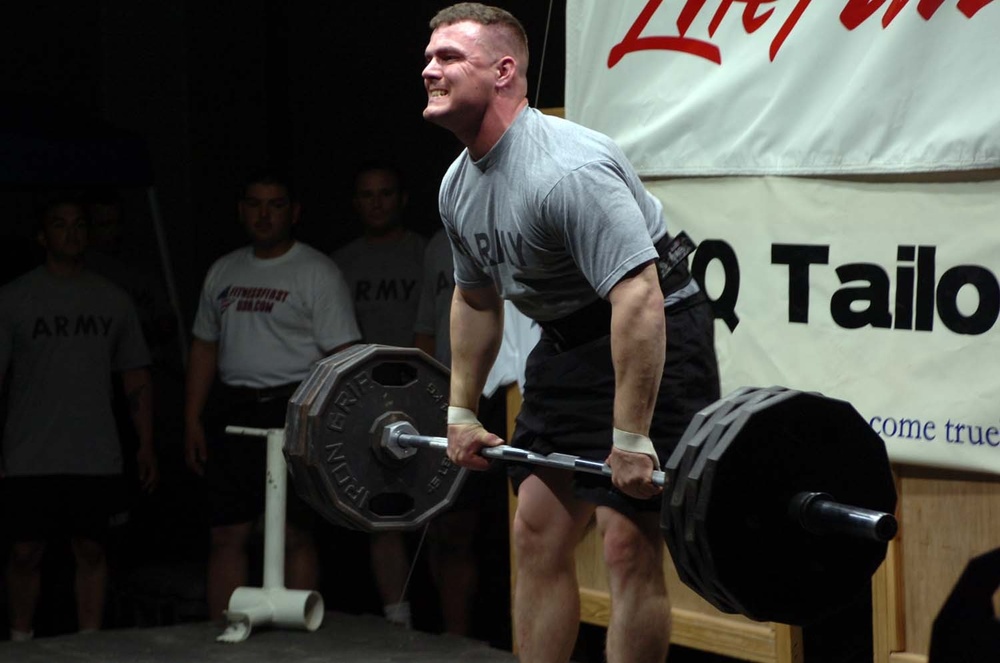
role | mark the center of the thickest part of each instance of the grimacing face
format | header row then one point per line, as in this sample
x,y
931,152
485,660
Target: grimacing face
x,y
459,75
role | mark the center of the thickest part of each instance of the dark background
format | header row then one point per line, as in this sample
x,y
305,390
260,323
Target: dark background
x,y
218,88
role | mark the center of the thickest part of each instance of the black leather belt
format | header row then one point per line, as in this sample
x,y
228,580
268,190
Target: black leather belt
x,y
262,394
594,320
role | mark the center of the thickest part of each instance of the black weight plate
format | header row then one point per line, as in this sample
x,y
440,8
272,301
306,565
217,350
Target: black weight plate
x,y
775,569
672,511
299,456
699,485
371,494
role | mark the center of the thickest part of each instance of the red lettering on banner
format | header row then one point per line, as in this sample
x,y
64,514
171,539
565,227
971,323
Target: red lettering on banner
x,y
633,40
855,13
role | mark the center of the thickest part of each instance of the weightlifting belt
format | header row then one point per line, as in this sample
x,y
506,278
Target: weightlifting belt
x,y
594,320
261,395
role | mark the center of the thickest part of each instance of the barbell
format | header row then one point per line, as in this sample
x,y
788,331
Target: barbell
x,y
777,503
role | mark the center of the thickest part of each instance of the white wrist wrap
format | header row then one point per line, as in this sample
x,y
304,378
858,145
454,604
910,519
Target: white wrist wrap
x,y
462,415
639,444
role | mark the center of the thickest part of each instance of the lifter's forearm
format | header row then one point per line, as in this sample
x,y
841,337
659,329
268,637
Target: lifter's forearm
x,y
638,348
476,334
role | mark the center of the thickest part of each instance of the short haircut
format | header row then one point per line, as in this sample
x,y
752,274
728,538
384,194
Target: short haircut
x,y
489,16
268,176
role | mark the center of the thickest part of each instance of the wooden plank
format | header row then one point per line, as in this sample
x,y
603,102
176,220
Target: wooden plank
x,y
744,640
947,518
903,657
788,644
748,641
888,615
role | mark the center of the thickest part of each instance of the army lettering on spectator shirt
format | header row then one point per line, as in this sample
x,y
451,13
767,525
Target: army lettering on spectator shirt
x,y
81,325
384,290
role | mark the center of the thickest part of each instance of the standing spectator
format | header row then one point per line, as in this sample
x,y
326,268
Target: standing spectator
x,y
267,313
383,268
110,254
451,550
64,333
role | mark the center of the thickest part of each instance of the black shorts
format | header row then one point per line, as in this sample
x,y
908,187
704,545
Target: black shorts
x,y
569,399
236,469
42,508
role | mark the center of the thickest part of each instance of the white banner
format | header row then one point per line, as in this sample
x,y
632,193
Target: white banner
x,y
725,87
884,295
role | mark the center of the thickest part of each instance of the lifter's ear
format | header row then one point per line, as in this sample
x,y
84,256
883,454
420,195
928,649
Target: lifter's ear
x,y
506,71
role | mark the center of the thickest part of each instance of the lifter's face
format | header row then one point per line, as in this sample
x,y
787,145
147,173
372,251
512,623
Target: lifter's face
x,y
268,215
459,77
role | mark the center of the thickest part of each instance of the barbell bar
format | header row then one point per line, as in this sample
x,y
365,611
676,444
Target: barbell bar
x,y
816,512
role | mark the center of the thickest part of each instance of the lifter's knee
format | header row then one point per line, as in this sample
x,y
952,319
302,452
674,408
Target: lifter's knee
x,y
629,550
541,542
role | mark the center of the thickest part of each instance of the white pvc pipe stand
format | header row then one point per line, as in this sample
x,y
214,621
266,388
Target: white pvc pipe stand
x,y
272,604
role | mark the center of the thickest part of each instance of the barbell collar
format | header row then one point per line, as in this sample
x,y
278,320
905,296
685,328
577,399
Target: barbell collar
x,y
403,435
819,513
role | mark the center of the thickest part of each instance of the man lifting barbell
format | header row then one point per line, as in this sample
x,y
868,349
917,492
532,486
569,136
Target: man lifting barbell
x,y
553,217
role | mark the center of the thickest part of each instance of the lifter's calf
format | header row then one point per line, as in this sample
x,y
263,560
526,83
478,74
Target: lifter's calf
x,y
639,628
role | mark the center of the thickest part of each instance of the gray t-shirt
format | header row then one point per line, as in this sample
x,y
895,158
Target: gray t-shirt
x,y
384,278
554,215
60,340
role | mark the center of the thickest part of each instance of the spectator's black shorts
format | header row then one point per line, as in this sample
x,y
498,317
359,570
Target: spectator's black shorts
x,y
237,464
569,398
40,508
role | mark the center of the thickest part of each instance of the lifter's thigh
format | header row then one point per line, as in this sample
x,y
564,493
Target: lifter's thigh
x,y
549,520
632,546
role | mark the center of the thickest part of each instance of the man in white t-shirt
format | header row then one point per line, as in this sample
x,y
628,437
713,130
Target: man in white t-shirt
x,y
267,313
